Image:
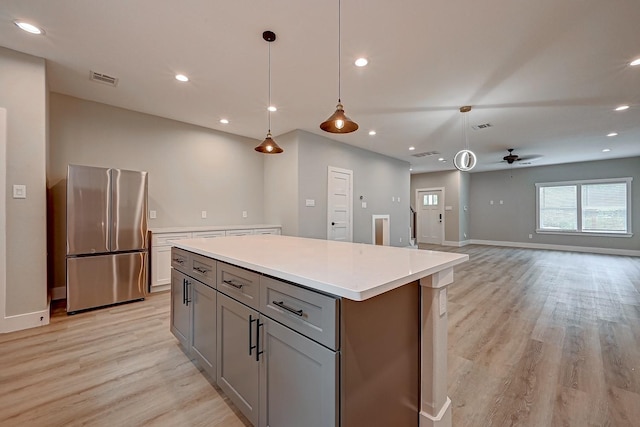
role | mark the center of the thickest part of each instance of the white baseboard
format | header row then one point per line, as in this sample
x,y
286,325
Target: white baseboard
x,y
456,244
58,293
605,251
25,321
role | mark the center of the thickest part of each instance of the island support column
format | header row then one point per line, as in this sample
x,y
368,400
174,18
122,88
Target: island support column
x,y
435,405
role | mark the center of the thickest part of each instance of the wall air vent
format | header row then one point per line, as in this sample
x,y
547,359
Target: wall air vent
x,y
482,126
103,78
425,154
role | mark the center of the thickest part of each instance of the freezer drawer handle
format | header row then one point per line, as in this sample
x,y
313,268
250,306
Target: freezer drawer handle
x,y
201,270
282,305
178,260
234,284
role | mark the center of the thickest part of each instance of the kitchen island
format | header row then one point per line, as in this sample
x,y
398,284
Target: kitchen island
x,y
328,333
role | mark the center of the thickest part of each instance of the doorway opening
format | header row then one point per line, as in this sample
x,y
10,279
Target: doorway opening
x,y
380,230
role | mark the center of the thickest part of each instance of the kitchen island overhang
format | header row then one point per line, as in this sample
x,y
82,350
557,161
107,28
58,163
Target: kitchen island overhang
x,y
358,272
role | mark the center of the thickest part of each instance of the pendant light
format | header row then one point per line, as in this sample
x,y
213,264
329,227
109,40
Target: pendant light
x,y
465,159
269,146
339,122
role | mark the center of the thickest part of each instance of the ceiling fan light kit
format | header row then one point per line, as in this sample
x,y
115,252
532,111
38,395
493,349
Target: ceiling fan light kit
x,y
465,159
269,146
338,122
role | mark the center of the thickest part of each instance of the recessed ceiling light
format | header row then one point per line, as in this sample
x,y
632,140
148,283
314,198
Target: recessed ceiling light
x,y
29,28
361,62
441,159
224,121
372,132
272,108
606,150
622,108
612,134
635,62
412,148
182,78
410,169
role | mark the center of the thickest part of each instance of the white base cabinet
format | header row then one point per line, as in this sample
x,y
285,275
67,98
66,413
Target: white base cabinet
x,y
161,243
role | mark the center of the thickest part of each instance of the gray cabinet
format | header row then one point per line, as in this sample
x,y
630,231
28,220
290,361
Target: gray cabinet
x,y
180,311
203,326
238,354
298,380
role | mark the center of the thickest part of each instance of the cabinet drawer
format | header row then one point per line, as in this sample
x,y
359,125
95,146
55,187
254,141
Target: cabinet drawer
x,y
239,284
266,231
312,314
238,232
180,259
164,239
203,269
208,234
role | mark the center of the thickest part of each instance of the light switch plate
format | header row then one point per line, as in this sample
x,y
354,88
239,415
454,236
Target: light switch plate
x,y
310,202
364,205
152,214
19,191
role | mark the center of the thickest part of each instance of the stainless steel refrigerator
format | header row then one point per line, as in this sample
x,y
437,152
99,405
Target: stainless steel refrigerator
x,y
107,248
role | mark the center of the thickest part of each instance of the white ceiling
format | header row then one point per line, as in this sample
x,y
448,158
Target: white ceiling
x,y
546,74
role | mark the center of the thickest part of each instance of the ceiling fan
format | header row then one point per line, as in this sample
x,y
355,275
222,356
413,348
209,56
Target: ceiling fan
x,y
511,157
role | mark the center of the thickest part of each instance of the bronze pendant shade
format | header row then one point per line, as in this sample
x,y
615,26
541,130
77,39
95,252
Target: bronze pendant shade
x,y
269,146
339,122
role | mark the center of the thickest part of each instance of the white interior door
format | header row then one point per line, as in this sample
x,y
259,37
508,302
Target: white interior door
x,y
340,204
430,217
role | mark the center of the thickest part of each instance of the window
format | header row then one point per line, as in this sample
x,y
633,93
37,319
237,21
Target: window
x,y
430,200
590,207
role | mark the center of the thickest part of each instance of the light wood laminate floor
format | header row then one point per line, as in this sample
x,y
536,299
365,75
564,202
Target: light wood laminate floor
x,y
536,338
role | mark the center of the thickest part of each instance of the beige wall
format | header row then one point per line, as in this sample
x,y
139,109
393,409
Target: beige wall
x,y
376,177
191,169
515,219
23,95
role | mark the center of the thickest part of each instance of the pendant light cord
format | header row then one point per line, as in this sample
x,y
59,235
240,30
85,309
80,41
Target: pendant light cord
x,y
269,106
339,50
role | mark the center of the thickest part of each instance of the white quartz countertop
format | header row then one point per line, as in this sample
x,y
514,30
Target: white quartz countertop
x,y
158,230
355,271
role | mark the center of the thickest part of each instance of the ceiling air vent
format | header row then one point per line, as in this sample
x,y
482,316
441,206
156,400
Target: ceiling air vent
x,y
425,154
103,78
481,126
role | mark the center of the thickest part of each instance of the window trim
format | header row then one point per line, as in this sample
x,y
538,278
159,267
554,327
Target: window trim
x,y
579,184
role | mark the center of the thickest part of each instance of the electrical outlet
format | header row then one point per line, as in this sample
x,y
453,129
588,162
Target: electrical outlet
x,y
401,240
152,214
204,214
244,214
531,236
442,299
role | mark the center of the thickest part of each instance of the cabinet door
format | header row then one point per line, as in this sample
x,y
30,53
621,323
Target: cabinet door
x,y
180,308
238,370
203,321
298,380
160,266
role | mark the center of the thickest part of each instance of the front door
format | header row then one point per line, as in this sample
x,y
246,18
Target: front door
x,y
430,217
339,204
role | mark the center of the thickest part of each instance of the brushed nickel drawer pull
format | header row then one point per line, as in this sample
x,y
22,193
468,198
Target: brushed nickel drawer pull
x,y
232,283
201,270
282,305
178,260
